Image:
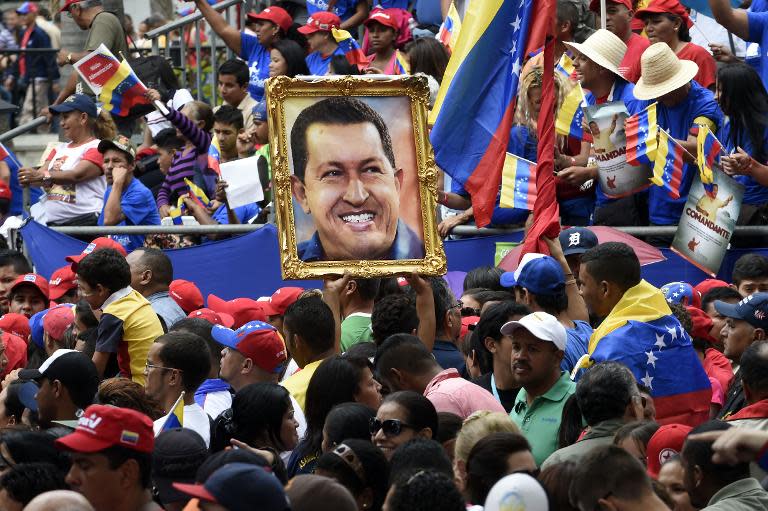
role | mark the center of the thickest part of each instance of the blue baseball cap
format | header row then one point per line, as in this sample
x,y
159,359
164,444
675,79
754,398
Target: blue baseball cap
x,y
542,276
27,392
36,328
577,240
260,112
674,292
752,309
509,278
256,340
79,102
26,8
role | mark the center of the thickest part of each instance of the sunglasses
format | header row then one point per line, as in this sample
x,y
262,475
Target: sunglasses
x,y
391,427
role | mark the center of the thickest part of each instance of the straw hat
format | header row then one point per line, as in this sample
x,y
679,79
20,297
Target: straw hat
x,y
603,48
661,72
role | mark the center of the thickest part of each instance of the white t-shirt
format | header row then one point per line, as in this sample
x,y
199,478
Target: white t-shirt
x,y
217,402
64,202
155,120
195,419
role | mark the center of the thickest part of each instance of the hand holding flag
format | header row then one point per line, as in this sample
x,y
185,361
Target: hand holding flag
x,y
709,149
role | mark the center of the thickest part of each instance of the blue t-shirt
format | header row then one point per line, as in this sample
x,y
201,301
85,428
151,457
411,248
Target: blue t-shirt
x,y
449,356
428,12
138,205
392,4
757,22
318,64
522,143
344,9
243,213
678,121
754,192
576,345
17,192
257,57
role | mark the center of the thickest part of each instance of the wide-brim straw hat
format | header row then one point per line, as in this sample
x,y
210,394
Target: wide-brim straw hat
x,y
604,48
661,72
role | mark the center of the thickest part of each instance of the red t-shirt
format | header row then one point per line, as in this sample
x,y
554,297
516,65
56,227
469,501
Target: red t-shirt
x,y
707,64
630,64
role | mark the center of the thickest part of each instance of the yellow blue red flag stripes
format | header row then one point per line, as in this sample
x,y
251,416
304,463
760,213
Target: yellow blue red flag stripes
x,y
709,149
214,156
668,168
642,131
123,91
475,105
197,193
518,183
449,30
570,116
176,416
565,66
349,46
401,65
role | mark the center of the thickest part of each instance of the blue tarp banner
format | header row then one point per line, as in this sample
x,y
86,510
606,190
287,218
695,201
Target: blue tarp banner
x,y
249,265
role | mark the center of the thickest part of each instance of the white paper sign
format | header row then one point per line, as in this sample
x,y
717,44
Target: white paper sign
x,y
243,184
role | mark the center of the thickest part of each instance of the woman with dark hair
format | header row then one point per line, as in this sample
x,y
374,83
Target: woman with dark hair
x,y
424,490
347,420
402,416
493,457
361,468
286,58
744,100
18,447
667,21
556,480
634,437
427,55
339,65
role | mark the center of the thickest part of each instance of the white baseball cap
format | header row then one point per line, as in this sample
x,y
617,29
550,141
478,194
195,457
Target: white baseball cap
x,y
543,326
509,278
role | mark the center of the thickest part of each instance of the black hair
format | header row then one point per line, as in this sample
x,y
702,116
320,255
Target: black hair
x,y
257,414
699,452
754,366
156,260
341,66
744,99
189,354
419,454
25,481
13,405
339,110
389,286
168,139
107,267
117,455
375,470
221,458
448,426
85,315
487,462
554,303
201,328
294,56
236,68
393,314
16,259
420,412
486,277
367,288
640,432
490,325
34,446
719,293
310,318
682,315
614,262
404,352
177,465
444,300
556,480
750,266
571,423
348,420
683,33
491,295
425,490
604,391
567,12
230,116
429,56
365,349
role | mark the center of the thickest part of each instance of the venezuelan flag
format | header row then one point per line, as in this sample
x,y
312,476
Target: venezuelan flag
x,y
401,65
570,116
197,193
518,183
123,91
668,167
641,131
214,156
176,416
565,66
449,30
176,214
642,333
709,149
349,46
475,106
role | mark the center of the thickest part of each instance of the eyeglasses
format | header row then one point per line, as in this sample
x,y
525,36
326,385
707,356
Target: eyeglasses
x,y
391,427
149,366
457,305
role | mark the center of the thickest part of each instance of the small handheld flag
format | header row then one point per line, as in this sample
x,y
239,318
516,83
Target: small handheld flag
x,y
668,167
642,133
449,30
570,116
197,193
709,149
214,156
176,416
401,65
518,183
565,66
349,46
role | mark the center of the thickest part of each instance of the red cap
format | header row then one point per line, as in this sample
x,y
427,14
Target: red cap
x,y
665,6
594,5
702,324
104,426
242,310
707,285
386,17
213,317
31,279
96,244
666,442
5,191
68,4
57,320
62,281
256,340
466,322
16,324
281,300
186,294
276,15
321,21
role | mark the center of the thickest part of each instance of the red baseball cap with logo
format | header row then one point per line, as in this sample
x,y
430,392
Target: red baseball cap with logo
x,y
104,426
186,294
666,442
321,21
62,282
281,300
213,317
31,279
594,5
16,324
57,320
276,15
242,310
256,340
665,7
384,16
96,244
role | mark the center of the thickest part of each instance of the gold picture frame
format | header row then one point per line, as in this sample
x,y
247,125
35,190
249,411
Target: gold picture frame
x,y
284,94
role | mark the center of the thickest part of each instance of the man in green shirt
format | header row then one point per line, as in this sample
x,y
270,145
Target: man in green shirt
x,y
538,341
356,302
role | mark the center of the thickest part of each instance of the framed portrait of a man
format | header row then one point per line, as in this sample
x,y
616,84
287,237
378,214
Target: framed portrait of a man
x,y
354,176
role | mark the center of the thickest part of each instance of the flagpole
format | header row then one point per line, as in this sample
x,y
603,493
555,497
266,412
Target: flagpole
x,y
173,409
602,14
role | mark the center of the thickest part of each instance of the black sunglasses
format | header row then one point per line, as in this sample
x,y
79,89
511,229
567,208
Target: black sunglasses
x,y
391,427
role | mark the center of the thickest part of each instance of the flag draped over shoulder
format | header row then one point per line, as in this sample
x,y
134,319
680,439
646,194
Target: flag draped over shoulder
x,y
642,131
349,46
668,167
518,183
709,149
570,115
449,30
474,110
642,333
